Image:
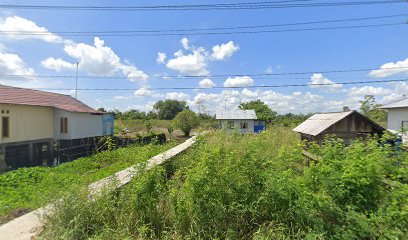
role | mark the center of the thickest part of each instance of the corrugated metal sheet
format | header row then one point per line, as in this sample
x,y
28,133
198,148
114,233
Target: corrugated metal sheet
x,y
24,96
237,115
398,104
319,122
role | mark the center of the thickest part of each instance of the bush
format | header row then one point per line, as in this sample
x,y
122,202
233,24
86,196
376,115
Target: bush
x,y
185,121
231,186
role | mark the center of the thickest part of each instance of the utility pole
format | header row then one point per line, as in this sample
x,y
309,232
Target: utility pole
x,y
76,81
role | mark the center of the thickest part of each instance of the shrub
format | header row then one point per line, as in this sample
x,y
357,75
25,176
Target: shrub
x,y
231,186
185,121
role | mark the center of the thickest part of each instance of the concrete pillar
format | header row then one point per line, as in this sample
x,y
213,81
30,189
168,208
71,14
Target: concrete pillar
x,y
30,153
3,164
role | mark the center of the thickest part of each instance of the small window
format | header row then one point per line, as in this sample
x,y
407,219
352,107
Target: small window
x,y
5,127
231,124
244,125
64,125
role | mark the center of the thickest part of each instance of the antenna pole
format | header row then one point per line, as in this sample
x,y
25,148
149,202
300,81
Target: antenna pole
x,y
76,81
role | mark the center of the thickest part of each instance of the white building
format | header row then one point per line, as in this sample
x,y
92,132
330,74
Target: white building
x,y
244,121
32,122
398,117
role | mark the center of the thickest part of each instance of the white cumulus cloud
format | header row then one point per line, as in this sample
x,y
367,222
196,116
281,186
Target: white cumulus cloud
x,y
369,90
206,83
161,57
97,59
18,24
241,81
194,63
391,68
12,64
57,64
177,96
224,51
319,81
184,41
144,93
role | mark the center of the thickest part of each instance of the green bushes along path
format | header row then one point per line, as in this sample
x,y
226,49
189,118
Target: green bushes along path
x,y
252,187
26,189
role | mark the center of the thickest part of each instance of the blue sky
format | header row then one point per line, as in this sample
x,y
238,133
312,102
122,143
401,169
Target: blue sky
x,y
135,59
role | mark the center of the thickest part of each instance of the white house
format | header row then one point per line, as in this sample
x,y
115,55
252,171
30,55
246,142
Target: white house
x,y
33,122
398,117
245,121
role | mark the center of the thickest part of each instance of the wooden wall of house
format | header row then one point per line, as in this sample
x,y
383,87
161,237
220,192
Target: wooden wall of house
x,y
350,128
354,124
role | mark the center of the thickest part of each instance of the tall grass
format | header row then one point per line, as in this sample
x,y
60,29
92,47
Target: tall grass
x,y
26,189
231,186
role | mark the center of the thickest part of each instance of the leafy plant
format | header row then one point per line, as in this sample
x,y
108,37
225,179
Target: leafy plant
x,y
231,186
186,121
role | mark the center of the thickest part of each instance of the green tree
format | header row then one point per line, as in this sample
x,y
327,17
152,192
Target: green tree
x,y
185,121
168,109
102,109
372,110
263,112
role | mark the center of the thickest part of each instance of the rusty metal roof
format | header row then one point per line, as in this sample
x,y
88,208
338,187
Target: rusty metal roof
x,y
24,96
317,123
237,115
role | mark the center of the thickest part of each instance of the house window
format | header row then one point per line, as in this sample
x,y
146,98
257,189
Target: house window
x,y
404,126
64,125
244,125
5,127
231,124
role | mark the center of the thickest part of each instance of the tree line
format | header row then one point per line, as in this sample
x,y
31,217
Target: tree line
x,y
168,110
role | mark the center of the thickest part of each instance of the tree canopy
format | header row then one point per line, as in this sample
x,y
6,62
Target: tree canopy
x,y
263,111
185,121
168,109
372,110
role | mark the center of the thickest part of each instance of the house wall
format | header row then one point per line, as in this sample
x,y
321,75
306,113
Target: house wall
x,y
27,122
352,127
80,125
237,123
395,118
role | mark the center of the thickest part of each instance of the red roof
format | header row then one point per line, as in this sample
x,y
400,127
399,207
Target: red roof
x,y
23,96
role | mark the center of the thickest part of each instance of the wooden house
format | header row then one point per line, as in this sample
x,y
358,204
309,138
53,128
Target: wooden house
x,y
347,125
244,121
33,122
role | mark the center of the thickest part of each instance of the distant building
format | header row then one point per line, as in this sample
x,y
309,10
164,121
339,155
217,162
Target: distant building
x,y
33,122
245,121
347,125
397,114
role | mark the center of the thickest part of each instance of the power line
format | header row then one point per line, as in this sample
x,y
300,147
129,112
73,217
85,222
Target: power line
x,y
209,76
256,86
236,32
204,7
120,32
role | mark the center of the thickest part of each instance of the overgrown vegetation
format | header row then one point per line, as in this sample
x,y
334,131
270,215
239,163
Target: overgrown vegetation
x,y
26,189
231,186
186,121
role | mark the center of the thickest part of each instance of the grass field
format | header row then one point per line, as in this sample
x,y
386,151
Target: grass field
x,y
232,186
25,189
